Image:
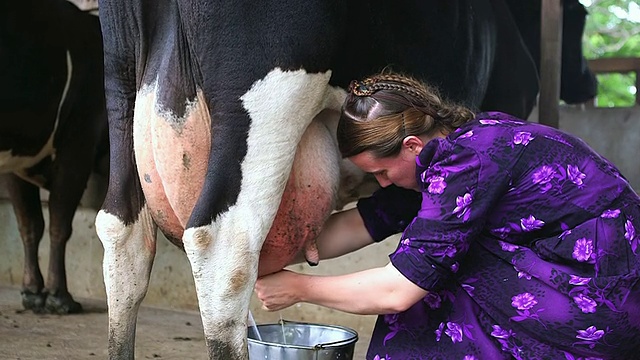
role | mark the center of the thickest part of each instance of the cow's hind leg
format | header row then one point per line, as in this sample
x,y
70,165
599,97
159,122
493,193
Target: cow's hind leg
x,y
224,247
129,250
25,198
223,270
71,172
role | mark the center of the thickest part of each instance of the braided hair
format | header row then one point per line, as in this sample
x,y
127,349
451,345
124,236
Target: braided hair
x,y
381,110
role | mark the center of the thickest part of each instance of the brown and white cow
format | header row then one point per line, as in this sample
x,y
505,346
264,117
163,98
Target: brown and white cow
x,y
52,119
218,108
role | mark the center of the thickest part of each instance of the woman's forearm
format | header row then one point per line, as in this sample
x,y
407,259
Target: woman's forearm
x,y
374,291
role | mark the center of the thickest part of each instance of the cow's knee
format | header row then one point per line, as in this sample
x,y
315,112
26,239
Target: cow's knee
x,y
60,233
231,255
110,229
196,241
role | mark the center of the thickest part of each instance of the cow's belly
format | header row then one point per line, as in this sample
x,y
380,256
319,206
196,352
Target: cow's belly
x,y
10,162
171,160
19,164
33,147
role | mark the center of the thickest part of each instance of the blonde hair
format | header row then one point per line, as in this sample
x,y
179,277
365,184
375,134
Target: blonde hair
x,y
381,110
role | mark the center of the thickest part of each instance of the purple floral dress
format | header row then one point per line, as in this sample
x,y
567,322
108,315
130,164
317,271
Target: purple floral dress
x,y
525,239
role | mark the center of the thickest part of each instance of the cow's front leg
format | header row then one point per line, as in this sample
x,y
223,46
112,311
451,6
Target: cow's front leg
x,y
25,198
129,250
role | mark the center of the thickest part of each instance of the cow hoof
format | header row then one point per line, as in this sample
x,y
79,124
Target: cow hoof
x,y
33,301
62,305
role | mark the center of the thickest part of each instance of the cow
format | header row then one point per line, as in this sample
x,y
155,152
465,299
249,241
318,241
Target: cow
x,y
220,116
578,84
53,129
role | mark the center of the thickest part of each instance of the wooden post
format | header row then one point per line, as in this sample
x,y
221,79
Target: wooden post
x,y
637,73
550,62
620,65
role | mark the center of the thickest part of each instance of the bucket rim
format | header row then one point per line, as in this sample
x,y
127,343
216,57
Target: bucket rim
x,y
351,340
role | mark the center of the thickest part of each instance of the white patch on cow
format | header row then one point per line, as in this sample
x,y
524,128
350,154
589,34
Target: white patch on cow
x,y
128,256
334,99
281,106
15,163
224,255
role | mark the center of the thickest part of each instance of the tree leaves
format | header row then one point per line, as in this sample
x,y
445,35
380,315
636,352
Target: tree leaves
x,y
613,30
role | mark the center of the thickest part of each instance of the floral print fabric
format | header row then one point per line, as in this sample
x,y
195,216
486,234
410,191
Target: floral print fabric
x,y
527,242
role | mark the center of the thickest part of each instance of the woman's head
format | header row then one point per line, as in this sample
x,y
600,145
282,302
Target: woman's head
x,y
382,110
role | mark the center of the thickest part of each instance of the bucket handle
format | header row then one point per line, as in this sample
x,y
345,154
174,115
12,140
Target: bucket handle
x,y
322,346
335,343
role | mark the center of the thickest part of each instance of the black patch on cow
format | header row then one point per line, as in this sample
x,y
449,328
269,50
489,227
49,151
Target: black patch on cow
x,y
33,72
443,42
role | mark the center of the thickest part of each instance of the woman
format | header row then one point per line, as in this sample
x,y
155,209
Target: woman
x,y
522,244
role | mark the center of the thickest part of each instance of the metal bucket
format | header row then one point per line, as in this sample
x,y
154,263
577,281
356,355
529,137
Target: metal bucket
x,y
289,340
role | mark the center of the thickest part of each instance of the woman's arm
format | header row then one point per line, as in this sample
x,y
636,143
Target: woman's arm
x,y
375,291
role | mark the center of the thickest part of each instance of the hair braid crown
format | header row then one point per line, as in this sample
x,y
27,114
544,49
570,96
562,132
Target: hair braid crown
x,y
408,85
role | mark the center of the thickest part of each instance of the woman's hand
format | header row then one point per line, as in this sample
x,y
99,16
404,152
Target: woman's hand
x,y
278,290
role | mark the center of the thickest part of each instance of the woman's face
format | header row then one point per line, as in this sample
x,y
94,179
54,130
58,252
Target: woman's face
x,y
399,170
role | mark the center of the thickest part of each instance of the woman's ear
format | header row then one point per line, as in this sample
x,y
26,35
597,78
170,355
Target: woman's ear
x,y
413,143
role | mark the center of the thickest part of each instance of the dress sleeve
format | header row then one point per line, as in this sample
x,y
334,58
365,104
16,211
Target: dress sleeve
x,y
388,211
458,192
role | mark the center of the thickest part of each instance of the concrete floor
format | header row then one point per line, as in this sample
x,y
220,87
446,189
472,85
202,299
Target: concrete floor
x,y
161,334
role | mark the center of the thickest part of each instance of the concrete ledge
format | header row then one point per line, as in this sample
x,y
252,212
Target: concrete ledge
x,y
613,132
171,285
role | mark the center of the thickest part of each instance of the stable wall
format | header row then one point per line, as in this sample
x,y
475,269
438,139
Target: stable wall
x,y
615,133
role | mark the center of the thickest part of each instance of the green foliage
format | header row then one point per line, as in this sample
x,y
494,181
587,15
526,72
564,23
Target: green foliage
x,y
613,30
615,90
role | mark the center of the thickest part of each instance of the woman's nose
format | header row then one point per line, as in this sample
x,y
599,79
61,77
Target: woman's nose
x,y
383,181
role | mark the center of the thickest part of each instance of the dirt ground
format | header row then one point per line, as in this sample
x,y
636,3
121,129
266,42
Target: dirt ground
x,y
161,334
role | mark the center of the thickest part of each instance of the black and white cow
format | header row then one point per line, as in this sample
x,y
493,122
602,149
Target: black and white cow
x,y
578,83
218,108
52,118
